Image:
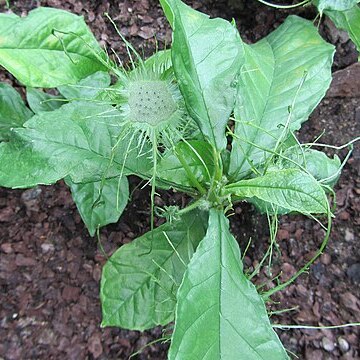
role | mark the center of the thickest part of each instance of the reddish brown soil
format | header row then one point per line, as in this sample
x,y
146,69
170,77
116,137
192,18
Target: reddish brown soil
x,y
50,268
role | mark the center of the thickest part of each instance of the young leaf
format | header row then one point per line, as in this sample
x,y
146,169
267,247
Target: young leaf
x,y
98,211
33,51
349,21
40,101
219,314
320,166
88,88
77,140
284,77
196,154
290,189
338,5
206,74
13,112
160,59
138,286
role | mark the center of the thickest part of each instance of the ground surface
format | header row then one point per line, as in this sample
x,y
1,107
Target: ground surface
x,y
50,268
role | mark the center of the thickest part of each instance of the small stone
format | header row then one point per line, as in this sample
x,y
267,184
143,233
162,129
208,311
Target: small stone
x,y
344,215
47,247
343,345
288,269
327,344
325,259
146,32
298,234
314,354
302,291
282,234
317,270
31,194
353,272
71,293
46,337
21,260
6,248
96,273
94,345
349,301
349,236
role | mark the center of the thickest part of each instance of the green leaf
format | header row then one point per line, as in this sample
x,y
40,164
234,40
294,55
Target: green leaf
x,y
219,314
290,189
288,70
88,88
206,74
40,101
320,166
98,211
138,286
36,57
77,140
197,155
339,5
349,21
22,166
160,59
13,112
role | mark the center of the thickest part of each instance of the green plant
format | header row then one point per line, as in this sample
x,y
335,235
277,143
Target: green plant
x,y
345,14
211,117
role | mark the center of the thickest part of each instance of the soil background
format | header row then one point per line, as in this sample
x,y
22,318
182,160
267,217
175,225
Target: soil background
x,y
50,268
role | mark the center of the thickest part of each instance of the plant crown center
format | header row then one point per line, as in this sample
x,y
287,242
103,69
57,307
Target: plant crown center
x,y
151,102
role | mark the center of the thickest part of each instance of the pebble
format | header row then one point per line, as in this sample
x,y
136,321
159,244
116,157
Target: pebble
x,y
317,270
71,293
282,234
21,260
349,236
325,259
47,247
94,345
6,248
343,345
353,273
349,301
327,344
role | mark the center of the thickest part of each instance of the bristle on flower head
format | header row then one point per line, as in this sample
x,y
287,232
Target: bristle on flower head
x,y
151,102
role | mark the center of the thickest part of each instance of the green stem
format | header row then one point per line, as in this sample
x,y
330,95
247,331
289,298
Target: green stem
x,y
269,293
189,173
192,206
277,6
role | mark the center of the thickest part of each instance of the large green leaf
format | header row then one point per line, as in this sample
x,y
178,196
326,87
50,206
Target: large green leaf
x,y
207,55
88,88
97,209
219,314
77,140
197,155
40,101
22,166
138,286
30,50
339,5
290,189
349,21
13,112
288,70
